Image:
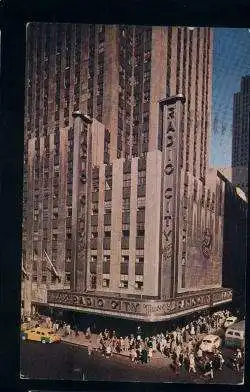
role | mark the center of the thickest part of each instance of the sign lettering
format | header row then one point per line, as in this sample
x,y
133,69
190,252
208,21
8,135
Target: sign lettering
x,y
157,308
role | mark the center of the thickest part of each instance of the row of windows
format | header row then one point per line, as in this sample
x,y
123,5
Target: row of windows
x,y
124,259
53,279
124,283
125,232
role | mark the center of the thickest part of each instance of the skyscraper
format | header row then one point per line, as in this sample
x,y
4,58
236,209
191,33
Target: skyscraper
x,y
117,74
122,188
241,129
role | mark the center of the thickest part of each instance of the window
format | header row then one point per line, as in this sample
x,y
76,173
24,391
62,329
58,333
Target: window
x,y
67,277
69,212
139,259
141,203
107,234
107,207
140,233
125,259
138,285
108,184
124,283
142,177
125,233
105,283
127,180
94,234
106,259
93,282
44,279
94,208
93,259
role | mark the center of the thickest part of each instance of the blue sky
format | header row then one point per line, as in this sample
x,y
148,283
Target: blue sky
x,y
231,61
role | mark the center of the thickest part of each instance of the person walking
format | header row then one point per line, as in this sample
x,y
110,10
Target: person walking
x,y
108,351
221,360
126,343
211,372
144,355
192,330
133,354
150,353
88,333
199,354
90,350
177,352
238,359
191,363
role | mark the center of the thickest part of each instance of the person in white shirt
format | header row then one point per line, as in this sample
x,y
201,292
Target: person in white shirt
x,y
192,363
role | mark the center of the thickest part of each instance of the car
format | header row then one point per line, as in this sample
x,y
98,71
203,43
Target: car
x,y
43,335
230,321
209,343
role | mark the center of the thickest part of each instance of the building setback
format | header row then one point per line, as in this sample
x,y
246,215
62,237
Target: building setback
x,y
138,208
241,129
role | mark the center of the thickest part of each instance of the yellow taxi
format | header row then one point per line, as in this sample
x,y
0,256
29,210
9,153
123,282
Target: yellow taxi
x,y
39,334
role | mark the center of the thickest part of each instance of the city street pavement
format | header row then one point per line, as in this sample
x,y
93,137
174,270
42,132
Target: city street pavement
x,y
71,362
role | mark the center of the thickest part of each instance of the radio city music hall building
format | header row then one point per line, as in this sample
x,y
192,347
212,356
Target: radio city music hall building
x,y
122,215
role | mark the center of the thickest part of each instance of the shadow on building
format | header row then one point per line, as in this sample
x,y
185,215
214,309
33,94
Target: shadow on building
x,y
235,244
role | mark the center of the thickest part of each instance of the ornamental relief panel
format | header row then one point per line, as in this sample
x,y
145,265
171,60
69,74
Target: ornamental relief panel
x,y
82,201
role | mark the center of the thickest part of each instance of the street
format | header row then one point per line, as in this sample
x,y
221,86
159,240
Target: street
x,y
69,362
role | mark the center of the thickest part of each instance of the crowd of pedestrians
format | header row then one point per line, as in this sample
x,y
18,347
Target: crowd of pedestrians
x,y
180,345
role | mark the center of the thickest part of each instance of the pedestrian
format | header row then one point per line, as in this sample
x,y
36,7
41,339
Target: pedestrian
x,y
138,354
88,333
199,354
154,344
177,352
192,330
177,366
238,359
144,355
126,343
221,361
133,355
192,363
185,336
211,372
90,350
150,353
108,351
106,334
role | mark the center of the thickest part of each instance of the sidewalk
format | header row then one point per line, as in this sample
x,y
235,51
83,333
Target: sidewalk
x,y
82,341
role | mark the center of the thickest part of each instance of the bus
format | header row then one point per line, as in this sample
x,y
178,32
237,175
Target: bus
x,y
235,335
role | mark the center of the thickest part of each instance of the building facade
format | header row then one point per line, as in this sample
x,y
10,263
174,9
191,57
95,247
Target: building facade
x,y
241,129
137,206
235,242
237,175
